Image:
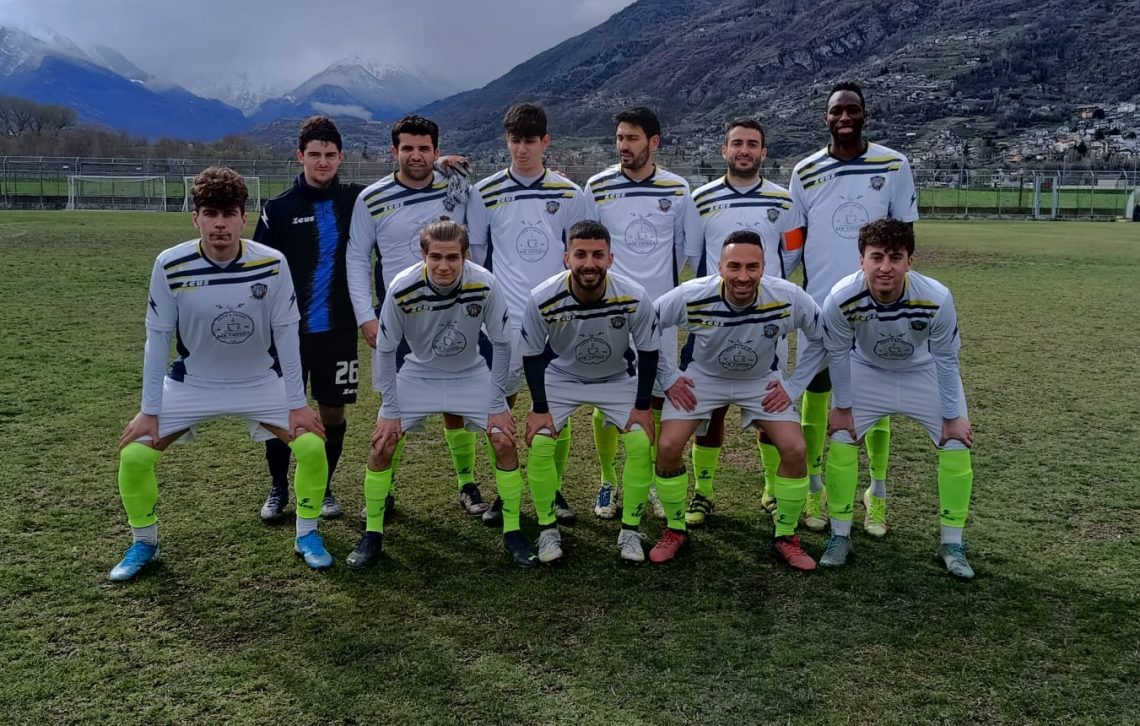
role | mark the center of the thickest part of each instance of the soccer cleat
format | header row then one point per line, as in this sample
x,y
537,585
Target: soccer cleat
x,y
137,556
312,549
631,545
366,550
274,505
954,557
768,500
606,505
788,549
875,521
699,510
814,518
493,516
836,551
471,499
668,546
520,550
330,508
655,502
549,545
562,510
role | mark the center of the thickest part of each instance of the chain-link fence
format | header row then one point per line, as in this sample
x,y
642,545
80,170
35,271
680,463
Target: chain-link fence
x,y
42,183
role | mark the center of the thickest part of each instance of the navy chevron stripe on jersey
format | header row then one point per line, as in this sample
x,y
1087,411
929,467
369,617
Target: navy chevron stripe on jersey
x,y
212,269
228,280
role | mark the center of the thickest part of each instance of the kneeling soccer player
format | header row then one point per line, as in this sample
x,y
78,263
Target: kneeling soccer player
x,y
595,323
892,341
737,320
234,308
439,307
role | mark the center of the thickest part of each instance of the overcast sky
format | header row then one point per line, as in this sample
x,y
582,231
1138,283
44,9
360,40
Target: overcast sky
x,y
285,41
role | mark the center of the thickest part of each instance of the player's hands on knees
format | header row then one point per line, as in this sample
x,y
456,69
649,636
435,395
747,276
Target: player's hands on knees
x,y
143,424
957,428
644,419
777,399
305,419
386,433
368,329
535,423
841,419
681,395
504,423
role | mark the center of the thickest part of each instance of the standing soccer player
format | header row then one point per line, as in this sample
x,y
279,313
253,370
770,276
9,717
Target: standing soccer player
x,y
596,324
308,223
892,339
230,305
518,219
652,220
439,307
388,219
742,199
836,191
736,320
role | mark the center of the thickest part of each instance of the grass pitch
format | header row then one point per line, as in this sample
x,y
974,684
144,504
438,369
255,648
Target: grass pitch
x,y
232,628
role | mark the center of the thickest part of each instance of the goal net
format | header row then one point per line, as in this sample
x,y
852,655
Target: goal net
x,y
252,185
143,193
1132,206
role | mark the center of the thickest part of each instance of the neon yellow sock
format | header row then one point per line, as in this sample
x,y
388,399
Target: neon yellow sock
x,y
491,457
671,491
396,456
138,485
842,480
542,475
510,485
461,443
770,459
656,437
606,443
955,484
636,476
705,460
562,451
790,496
878,443
311,476
814,421
377,486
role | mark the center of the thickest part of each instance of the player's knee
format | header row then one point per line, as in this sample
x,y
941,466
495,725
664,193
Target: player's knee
x,y
504,450
137,456
793,454
636,444
308,447
669,451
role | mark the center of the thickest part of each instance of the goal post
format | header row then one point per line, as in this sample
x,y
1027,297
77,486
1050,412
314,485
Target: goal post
x,y
1132,206
137,193
252,185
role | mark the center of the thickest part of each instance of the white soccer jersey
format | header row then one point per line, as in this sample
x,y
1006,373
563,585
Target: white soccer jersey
x,y
766,209
652,225
740,344
222,315
836,198
917,331
442,330
595,341
522,230
388,217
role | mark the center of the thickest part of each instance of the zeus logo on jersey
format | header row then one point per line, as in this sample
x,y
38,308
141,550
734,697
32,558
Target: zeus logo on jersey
x,y
303,220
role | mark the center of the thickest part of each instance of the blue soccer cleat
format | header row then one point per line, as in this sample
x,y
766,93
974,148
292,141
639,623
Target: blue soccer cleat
x,y
312,548
137,556
954,557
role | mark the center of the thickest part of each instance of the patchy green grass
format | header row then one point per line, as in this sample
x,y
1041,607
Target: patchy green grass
x,y
232,628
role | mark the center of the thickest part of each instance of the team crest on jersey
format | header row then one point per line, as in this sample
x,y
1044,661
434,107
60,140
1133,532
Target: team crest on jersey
x,y
592,351
771,330
773,215
531,244
894,347
552,207
474,309
664,204
738,356
448,342
918,325
877,182
849,218
641,236
258,290
617,323
232,327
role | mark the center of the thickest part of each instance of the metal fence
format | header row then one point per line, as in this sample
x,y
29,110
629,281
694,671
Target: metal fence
x,y
41,183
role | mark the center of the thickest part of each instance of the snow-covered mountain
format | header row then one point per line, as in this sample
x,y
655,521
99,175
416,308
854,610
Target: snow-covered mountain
x,y
239,91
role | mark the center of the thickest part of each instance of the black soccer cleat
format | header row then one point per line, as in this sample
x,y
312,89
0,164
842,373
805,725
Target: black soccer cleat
x,y
471,499
493,517
366,550
519,549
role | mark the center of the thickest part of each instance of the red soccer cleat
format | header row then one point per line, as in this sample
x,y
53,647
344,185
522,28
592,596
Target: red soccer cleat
x,y
789,550
668,546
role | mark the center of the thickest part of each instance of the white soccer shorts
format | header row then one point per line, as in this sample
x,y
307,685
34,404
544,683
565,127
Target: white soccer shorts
x,y
184,406
468,396
712,393
614,397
